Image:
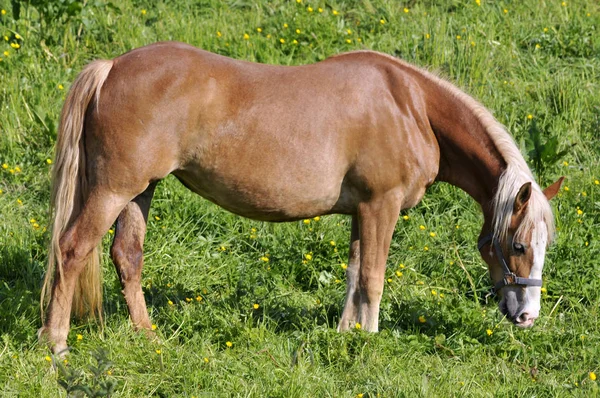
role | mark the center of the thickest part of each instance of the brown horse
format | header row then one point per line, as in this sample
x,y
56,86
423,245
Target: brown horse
x,y
360,133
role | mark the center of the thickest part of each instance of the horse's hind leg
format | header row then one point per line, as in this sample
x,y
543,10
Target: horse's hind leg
x,y
99,212
350,313
127,254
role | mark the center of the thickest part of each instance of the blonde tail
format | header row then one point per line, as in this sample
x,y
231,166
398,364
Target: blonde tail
x,y
69,189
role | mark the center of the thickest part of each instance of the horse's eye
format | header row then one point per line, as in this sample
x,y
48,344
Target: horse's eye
x,y
519,248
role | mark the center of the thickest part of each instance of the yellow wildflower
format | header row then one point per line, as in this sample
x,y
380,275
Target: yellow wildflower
x,y
422,319
198,298
246,36
382,21
320,9
405,217
158,352
15,45
307,221
49,161
154,327
406,10
566,189
390,280
317,218
592,376
344,266
111,231
401,265
265,259
3,12
427,35
48,358
478,2
505,11
433,292
489,332
357,326
426,248
457,37
285,26
595,181
332,242
422,227
398,274
157,218
432,234
334,12
20,202
308,256
310,9
255,306
6,53
143,12
205,360
544,290
170,302
579,212
79,337
229,344
219,34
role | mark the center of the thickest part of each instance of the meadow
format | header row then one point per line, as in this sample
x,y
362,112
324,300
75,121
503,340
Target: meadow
x,y
244,308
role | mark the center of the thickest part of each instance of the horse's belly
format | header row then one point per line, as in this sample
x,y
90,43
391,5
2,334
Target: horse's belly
x,y
273,199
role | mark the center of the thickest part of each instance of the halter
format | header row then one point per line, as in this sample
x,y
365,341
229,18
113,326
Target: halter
x,y
510,278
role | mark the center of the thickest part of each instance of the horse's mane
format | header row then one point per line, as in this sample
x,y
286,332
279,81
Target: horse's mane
x,y
517,172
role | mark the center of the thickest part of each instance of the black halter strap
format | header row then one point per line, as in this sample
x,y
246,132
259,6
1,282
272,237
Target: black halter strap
x,y
510,278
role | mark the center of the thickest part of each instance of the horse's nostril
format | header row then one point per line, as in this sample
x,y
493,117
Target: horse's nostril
x,y
524,317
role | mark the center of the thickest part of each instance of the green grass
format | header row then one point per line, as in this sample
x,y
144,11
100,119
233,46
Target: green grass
x,y
539,58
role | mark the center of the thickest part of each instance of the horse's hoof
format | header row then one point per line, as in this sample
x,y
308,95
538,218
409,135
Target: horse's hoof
x,y
59,348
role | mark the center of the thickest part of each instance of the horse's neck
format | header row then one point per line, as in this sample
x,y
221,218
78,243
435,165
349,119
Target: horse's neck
x,y
469,159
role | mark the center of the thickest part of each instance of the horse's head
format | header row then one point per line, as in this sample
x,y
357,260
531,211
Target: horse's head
x,y
516,248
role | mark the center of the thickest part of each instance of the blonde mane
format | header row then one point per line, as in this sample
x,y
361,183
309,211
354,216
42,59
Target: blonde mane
x,y
516,174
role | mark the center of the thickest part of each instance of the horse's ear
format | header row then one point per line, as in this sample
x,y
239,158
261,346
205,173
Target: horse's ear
x,y
522,197
552,190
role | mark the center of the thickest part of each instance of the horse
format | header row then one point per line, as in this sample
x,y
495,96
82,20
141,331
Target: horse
x,y
360,133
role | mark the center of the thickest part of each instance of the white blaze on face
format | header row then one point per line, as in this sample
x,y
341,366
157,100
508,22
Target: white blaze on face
x,y
539,239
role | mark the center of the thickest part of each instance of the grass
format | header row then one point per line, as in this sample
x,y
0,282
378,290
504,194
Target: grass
x,y
205,269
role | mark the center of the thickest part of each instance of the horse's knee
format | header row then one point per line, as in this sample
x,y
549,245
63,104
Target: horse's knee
x,y
128,259
73,254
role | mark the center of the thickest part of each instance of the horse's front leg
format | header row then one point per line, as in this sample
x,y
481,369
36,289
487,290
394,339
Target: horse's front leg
x,y
377,219
350,314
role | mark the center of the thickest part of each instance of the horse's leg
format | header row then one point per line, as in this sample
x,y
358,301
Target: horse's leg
x,y
350,313
127,254
377,219
99,212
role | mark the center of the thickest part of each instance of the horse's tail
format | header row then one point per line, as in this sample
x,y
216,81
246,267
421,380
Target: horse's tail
x,y
69,189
